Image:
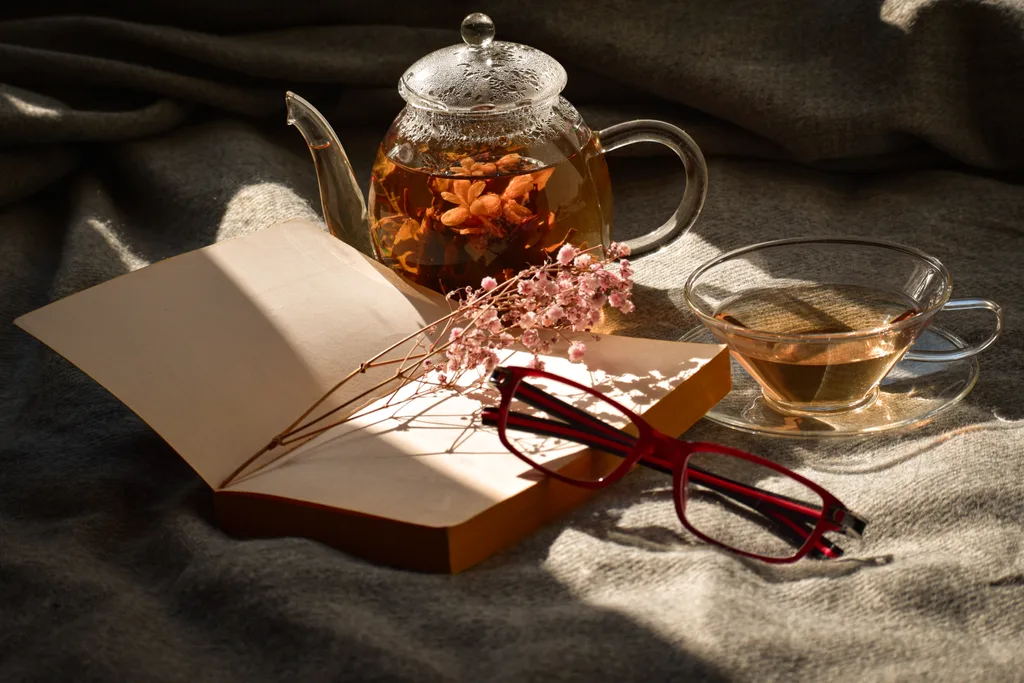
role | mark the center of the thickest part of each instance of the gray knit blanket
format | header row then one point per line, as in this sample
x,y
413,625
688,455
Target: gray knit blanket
x,y
149,129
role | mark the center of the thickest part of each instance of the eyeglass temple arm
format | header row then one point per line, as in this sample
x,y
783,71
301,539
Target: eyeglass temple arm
x,y
542,400
753,498
544,427
797,523
842,520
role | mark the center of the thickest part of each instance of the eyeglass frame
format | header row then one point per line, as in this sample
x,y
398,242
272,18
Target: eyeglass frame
x,y
656,450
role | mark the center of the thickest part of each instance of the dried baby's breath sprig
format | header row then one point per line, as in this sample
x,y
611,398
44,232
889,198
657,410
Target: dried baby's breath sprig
x,y
534,309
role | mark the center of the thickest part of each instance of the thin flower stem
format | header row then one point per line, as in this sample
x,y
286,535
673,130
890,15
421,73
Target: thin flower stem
x,y
362,368
290,435
392,361
402,368
293,435
241,468
468,306
360,413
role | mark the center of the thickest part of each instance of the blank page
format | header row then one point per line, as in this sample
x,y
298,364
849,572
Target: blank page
x,y
220,349
429,461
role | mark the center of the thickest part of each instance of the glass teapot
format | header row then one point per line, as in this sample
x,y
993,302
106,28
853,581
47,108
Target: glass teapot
x,y
487,170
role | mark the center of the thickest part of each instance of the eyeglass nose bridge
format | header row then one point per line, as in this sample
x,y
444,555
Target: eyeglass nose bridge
x,y
665,449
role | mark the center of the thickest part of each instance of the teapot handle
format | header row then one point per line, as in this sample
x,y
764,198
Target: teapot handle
x,y
676,139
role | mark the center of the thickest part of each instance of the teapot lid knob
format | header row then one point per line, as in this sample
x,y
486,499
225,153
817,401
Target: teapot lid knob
x,y
477,30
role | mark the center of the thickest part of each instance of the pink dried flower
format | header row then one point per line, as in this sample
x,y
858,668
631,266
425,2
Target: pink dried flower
x,y
609,279
566,254
624,269
535,363
490,361
617,299
530,338
589,284
548,345
552,315
618,250
486,320
566,296
569,293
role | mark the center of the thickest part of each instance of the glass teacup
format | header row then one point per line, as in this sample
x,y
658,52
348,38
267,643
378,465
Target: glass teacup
x,y
819,322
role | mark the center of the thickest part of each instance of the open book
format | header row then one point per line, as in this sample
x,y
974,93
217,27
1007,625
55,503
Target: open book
x,y
222,348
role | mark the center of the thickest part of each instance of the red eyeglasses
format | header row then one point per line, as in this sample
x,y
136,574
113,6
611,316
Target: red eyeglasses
x,y
735,500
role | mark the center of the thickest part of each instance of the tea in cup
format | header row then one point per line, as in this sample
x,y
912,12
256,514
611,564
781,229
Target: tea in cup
x,y
819,322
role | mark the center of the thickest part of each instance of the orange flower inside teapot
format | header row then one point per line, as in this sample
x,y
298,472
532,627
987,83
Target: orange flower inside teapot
x,y
487,169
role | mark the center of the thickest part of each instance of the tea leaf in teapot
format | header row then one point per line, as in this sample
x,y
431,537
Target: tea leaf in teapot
x,y
488,205
519,186
471,167
464,195
515,213
540,178
565,240
535,229
510,163
481,211
408,245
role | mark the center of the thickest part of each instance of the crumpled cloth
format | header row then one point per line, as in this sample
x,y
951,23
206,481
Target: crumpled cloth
x,y
150,129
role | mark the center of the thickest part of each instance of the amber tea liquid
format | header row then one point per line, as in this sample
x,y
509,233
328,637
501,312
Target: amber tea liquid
x,y
823,375
486,214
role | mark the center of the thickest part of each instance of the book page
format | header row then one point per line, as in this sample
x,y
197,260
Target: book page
x,y
430,461
222,348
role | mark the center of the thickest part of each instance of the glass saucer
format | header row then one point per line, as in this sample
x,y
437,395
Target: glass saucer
x,y
912,393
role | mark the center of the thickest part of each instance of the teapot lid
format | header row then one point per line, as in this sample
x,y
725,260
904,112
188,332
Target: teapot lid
x,y
482,75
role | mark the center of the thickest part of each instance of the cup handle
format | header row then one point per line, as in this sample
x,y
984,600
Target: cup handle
x,y
676,139
963,305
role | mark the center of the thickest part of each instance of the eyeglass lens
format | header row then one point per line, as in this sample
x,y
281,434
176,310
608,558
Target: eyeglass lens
x,y
732,501
725,501
551,422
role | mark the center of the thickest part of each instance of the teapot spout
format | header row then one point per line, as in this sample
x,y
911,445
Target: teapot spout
x,y
343,205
